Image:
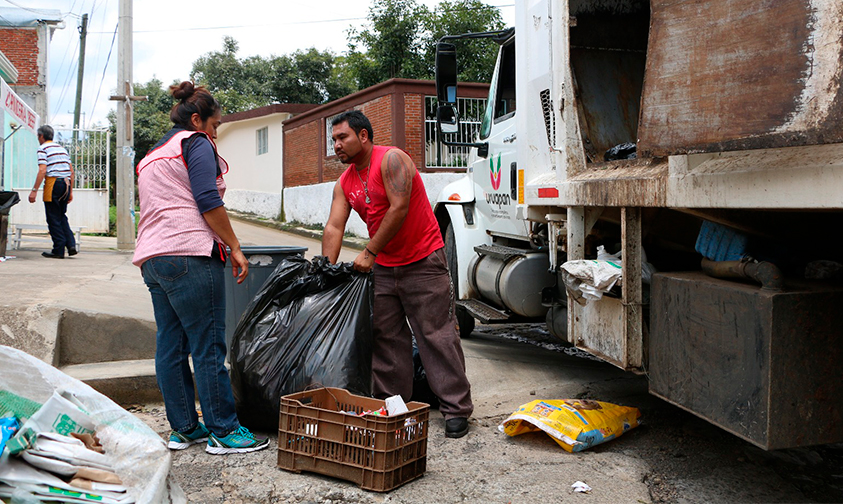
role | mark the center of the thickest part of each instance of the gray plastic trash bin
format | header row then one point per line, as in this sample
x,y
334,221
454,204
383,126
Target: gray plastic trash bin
x,y
262,262
8,199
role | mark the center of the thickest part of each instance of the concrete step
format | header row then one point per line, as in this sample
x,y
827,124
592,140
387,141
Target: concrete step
x,y
124,382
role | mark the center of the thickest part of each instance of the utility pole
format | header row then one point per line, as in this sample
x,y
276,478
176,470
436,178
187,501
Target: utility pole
x,y
83,34
125,132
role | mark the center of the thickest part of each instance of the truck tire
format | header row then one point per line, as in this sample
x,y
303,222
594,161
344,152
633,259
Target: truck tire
x,y
465,322
557,323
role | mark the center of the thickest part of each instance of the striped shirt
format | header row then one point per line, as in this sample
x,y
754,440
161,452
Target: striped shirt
x,y
56,158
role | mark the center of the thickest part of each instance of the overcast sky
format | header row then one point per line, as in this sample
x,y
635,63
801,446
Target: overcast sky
x,y
170,35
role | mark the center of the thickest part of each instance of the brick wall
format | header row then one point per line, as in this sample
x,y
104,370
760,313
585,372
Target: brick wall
x,y
301,154
20,45
396,111
414,128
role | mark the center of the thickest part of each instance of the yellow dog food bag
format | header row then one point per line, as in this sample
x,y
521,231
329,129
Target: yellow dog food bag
x,y
575,424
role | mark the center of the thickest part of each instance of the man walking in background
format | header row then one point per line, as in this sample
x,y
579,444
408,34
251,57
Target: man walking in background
x,y
56,171
407,254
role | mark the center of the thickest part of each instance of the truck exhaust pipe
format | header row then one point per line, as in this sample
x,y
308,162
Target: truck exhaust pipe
x,y
766,273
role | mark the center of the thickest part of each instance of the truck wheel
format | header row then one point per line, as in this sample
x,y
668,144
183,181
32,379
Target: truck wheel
x,y
465,322
557,323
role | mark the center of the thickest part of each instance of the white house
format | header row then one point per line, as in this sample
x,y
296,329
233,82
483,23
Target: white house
x,y
252,143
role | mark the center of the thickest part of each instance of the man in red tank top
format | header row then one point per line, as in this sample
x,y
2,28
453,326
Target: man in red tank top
x,y
406,252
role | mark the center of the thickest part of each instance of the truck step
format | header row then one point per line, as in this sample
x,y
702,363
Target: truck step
x,y
483,312
499,251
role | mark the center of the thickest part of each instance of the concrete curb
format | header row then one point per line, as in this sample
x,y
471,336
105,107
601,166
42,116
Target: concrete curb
x,y
355,243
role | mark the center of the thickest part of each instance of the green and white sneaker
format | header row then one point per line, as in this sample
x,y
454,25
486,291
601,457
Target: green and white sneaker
x,y
237,441
181,440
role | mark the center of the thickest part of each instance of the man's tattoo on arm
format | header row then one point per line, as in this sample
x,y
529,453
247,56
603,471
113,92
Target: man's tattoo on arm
x,y
399,174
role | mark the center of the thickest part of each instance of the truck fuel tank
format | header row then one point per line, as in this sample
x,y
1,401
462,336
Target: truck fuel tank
x,y
511,278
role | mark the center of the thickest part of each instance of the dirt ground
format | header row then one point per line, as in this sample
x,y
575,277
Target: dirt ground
x,y
673,457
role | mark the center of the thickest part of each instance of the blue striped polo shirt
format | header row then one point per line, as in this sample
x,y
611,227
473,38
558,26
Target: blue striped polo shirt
x,y
56,158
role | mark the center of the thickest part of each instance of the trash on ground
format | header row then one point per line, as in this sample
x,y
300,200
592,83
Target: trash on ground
x,y
6,258
580,487
575,424
74,444
309,325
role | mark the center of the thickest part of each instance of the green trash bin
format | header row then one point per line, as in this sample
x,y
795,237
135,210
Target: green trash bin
x,y
262,262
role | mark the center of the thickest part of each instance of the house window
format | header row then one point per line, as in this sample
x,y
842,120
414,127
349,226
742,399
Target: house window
x,y
262,140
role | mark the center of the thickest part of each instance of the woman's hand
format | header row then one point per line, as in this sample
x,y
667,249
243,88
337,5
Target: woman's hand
x,y
238,260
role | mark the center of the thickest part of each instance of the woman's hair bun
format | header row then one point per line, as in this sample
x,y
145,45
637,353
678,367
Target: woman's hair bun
x,y
182,91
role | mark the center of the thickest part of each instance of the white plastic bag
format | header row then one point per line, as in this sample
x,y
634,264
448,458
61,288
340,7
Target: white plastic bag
x,y
135,451
588,279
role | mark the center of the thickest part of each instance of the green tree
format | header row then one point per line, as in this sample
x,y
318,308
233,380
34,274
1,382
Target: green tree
x,y
306,76
476,57
391,46
400,40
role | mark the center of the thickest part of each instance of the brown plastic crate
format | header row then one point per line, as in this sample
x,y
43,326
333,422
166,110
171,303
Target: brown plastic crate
x,y
377,452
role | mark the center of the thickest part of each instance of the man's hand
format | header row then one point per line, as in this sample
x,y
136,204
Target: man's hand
x,y
32,196
364,262
70,197
238,260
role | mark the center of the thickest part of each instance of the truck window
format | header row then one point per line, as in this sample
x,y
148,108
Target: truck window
x,y
501,102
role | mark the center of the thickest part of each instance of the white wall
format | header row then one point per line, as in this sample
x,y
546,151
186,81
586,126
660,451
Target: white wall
x,y
89,208
254,181
312,204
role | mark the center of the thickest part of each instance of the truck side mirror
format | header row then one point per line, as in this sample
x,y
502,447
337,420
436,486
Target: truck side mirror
x,y
448,119
446,72
446,87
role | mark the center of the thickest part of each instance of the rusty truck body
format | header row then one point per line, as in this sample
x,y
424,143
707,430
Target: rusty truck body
x,y
730,112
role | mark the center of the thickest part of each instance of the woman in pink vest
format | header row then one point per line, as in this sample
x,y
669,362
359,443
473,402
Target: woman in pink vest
x,y
181,250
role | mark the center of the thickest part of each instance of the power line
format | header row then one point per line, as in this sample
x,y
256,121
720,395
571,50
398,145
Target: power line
x,y
66,85
37,11
294,23
107,59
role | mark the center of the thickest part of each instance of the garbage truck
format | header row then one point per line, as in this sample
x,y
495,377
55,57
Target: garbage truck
x,y
701,143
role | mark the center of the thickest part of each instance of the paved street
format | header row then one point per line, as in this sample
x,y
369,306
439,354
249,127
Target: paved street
x,y
672,457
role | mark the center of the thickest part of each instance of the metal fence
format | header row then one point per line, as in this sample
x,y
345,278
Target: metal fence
x,y
438,155
88,151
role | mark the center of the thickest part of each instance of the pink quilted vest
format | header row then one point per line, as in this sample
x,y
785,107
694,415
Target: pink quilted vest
x,y
170,222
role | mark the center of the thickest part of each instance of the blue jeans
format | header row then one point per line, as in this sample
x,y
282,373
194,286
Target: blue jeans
x,y
188,298
56,211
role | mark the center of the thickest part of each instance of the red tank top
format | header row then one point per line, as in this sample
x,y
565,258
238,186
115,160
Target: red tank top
x,y
419,235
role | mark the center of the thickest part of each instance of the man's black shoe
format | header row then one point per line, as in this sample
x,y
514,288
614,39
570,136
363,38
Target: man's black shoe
x,y
456,427
51,255
72,251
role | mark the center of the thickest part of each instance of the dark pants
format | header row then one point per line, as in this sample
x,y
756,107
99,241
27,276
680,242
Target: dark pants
x,y
422,294
56,211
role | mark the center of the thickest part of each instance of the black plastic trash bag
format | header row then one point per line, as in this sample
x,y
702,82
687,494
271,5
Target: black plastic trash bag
x,y
309,326
621,151
421,387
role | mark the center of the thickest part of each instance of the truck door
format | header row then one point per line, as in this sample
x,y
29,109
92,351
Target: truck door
x,y
495,174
